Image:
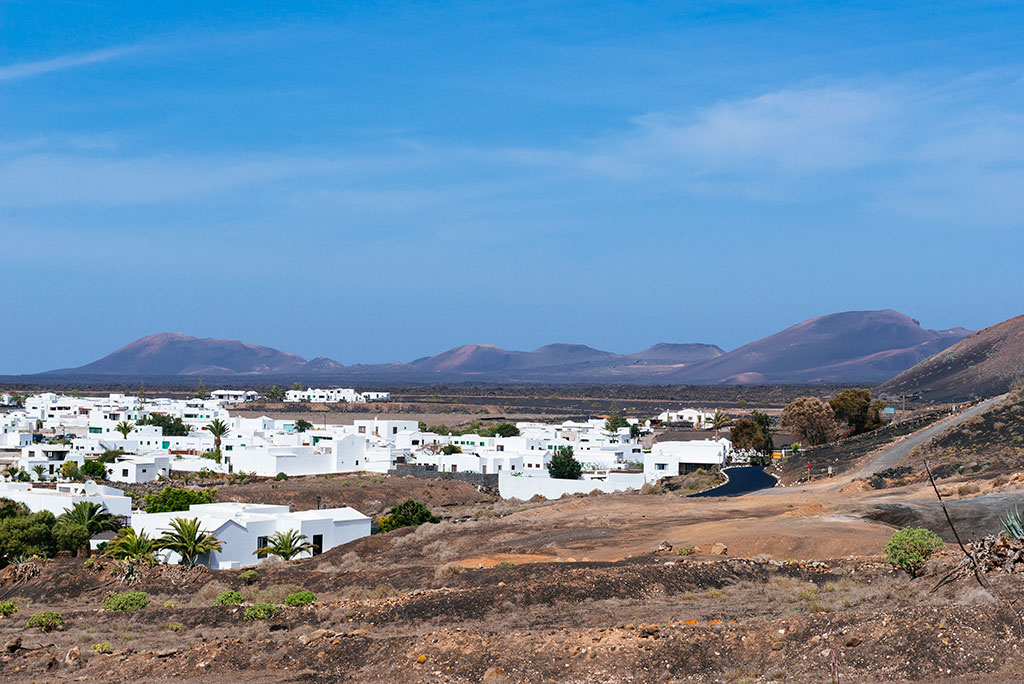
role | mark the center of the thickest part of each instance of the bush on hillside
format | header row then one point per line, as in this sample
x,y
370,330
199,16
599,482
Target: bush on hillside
x,y
407,514
46,621
300,598
229,598
261,611
910,548
126,601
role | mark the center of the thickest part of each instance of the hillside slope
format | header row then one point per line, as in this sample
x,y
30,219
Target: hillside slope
x,y
991,443
855,346
982,365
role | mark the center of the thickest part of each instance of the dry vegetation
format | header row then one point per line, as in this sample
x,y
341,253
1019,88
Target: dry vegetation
x,y
990,444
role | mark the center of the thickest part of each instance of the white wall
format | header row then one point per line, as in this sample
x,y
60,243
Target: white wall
x,y
525,487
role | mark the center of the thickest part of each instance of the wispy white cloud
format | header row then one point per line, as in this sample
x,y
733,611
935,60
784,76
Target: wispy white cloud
x,y
12,72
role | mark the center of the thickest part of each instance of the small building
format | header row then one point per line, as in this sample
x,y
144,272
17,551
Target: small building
x,y
234,396
668,459
65,496
135,469
244,528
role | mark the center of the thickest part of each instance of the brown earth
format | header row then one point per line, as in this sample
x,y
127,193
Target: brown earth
x,y
366,492
569,591
573,590
989,444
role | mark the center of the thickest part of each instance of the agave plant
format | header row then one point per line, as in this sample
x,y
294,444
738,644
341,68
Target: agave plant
x,y
1013,523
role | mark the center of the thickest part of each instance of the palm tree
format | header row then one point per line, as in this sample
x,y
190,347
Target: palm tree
x,y
131,545
218,428
188,541
125,428
286,545
40,470
718,421
91,516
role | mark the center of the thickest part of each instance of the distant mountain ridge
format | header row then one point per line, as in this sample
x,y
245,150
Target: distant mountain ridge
x,y
857,346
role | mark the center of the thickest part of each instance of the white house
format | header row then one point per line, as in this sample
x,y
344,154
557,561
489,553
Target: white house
x,y
243,528
134,469
234,396
694,417
51,456
64,496
667,459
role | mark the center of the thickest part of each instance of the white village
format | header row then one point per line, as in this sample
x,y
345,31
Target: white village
x,y
57,451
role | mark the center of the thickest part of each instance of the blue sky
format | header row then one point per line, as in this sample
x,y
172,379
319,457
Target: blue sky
x,y
376,182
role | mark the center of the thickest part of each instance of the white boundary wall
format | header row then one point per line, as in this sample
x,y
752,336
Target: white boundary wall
x,y
524,487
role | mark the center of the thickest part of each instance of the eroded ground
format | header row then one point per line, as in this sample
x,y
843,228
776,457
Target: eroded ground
x,y
567,591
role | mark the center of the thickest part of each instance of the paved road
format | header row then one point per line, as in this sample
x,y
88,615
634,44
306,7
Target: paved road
x,y
894,454
742,480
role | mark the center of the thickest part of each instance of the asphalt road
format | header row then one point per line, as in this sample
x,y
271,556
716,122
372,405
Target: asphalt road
x,y
742,480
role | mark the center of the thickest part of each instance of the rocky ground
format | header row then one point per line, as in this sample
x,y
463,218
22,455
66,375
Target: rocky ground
x,y
618,588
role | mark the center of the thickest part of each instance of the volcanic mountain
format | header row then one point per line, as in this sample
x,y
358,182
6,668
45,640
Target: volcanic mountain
x,y
855,346
166,354
987,363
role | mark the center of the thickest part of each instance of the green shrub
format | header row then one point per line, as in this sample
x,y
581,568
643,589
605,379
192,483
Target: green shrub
x,y
687,549
126,600
175,626
300,598
910,548
103,647
407,514
248,576
506,564
229,598
8,608
261,611
171,499
170,603
46,621
281,476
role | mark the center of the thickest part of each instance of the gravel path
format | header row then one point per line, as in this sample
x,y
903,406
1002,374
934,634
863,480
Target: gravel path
x,y
894,454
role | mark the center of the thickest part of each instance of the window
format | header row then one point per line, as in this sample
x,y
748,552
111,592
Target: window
x,y
362,429
660,466
260,543
318,544
394,431
124,472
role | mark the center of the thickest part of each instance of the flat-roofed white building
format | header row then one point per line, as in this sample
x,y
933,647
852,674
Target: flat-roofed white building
x,y
668,459
243,528
65,496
